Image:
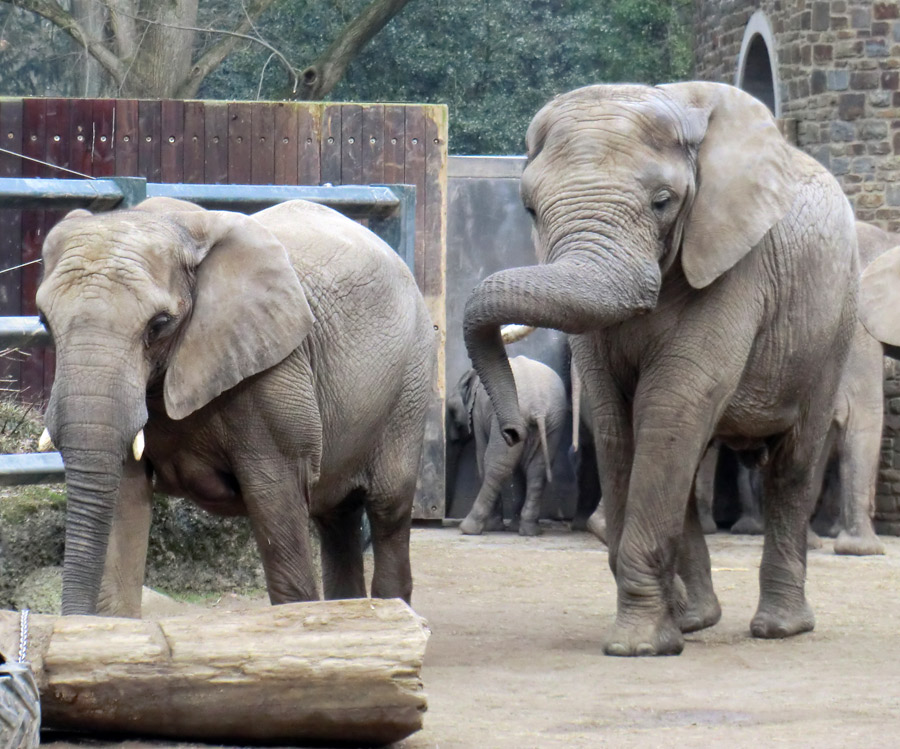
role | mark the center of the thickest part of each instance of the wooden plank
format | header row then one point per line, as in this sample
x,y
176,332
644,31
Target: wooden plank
x,y
34,138
216,129
262,145
194,141
10,236
126,140
351,144
414,174
331,145
286,144
172,145
394,144
373,145
82,135
103,155
309,141
149,137
435,198
240,152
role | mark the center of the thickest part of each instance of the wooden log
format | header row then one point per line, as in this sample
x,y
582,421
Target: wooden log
x,y
339,671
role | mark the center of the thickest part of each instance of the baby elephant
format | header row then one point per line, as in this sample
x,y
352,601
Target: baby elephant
x,y
542,401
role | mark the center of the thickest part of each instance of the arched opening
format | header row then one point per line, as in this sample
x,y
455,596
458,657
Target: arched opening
x,y
757,71
757,78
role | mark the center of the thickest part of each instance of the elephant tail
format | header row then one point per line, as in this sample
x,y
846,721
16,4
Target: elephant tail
x,y
542,433
576,404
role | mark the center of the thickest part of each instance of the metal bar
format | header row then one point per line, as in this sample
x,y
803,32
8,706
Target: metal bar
x,y
22,332
95,194
356,201
31,468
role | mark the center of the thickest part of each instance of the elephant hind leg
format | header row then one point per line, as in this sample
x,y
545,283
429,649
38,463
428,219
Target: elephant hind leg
x,y
340,536
701,607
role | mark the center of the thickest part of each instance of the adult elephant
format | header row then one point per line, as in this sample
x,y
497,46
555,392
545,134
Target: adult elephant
x,y
707,272
275,365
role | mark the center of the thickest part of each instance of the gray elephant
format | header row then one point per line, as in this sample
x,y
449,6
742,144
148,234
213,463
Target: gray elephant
x,y
542,400
704,269
275,365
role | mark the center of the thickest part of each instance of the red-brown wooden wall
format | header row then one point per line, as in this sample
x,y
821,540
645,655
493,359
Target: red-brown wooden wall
x,y
292,143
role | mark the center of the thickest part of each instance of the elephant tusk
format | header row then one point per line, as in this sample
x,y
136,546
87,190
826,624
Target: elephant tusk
x,y
514,333
137,448
45,444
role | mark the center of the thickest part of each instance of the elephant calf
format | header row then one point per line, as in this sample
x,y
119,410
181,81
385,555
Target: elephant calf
x,y
275,365
542,400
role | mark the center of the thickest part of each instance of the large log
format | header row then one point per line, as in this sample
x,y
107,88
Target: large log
x,y
343,671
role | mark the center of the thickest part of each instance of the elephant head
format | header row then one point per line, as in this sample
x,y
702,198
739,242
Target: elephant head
x,y
459,407
166,300
626,185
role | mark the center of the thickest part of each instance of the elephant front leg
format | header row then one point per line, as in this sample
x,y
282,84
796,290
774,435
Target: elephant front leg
x,y
651,599
126,554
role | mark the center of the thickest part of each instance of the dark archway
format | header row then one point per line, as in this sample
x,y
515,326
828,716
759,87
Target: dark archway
x,y
757,77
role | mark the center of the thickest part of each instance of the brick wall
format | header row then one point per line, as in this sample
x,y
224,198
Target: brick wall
x,y
839,68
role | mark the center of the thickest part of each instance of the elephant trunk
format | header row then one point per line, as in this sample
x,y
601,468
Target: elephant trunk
x,y
93,417
577,293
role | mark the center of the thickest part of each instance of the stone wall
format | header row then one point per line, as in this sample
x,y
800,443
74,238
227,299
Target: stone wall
x,y
838,92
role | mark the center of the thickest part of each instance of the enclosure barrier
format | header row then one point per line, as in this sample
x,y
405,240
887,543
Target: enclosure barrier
x,y
389,211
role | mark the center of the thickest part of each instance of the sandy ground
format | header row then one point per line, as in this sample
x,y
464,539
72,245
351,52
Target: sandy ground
x,y
515,655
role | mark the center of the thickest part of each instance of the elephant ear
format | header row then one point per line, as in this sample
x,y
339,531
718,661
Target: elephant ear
x,y
879,298
744,179
468,391
249,309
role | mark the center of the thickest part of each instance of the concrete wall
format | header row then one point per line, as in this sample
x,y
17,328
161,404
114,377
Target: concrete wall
x,y
488,230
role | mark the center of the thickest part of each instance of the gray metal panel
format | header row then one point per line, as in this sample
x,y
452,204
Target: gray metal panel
x,y
488,230
22,332
31,468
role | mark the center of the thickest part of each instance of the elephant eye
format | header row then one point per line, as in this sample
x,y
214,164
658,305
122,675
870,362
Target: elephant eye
x,y
661,201
531,212
157,326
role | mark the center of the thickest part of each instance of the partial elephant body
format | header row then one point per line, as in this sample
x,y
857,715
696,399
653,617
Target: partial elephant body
x,y
704,269
289,404
542,400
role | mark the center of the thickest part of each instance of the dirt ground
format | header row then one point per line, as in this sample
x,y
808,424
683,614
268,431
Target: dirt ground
x,y
515,655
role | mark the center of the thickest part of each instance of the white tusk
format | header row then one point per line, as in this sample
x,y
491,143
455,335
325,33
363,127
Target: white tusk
x,y
45,444
137,448
513,333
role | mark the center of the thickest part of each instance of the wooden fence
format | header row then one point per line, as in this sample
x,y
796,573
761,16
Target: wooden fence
x,y
291,143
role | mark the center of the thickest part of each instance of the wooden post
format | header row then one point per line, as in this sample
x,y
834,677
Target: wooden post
x,y
344,671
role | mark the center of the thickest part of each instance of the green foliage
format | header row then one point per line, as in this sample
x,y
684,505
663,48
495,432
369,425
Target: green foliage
x,y
494,63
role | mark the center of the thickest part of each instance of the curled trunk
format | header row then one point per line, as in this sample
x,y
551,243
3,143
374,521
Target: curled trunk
x,y
577,293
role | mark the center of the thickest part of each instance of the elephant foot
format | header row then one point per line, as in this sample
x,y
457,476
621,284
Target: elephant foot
x,y
812,539
663,638
596,524
529,528
579,523
773,622
708,525
494,524
471,527
866,544
700,614
748,525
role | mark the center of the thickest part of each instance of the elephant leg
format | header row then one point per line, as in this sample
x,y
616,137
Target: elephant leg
x,y
390,514
277,501
499,462
650,599
858,453
535,481
588,482
126,554
701,607
792,481
340,539
705,487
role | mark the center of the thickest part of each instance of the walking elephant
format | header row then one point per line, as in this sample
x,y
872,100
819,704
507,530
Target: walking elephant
x,y
705,269
542,400
276,365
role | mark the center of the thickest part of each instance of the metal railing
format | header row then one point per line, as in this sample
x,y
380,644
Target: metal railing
x,y
390,211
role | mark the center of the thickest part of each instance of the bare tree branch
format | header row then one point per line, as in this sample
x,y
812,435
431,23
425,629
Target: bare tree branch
x,y
56,14
324,74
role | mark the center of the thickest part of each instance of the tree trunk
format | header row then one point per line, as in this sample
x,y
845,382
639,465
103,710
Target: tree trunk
x,y
307,672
